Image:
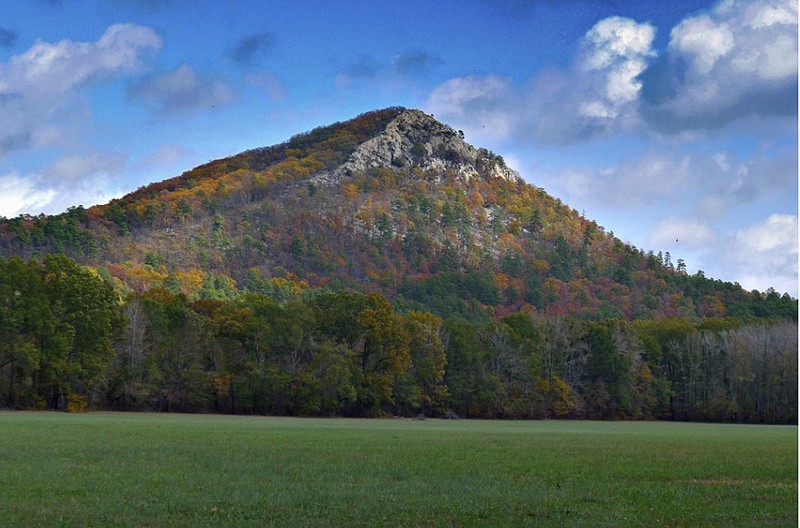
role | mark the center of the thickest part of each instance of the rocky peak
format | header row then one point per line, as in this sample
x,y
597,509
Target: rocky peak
x,y
415,138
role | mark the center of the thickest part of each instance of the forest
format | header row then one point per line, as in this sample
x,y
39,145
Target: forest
x,y
376,267
69,339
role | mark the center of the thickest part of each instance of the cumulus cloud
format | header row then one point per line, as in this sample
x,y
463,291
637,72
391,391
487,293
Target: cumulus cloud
x,y
767,252
249,51
598,96
181,90
618,48
738,60
38,86
52,69
19,194
778,232
481,104
87,178
760,256
703,41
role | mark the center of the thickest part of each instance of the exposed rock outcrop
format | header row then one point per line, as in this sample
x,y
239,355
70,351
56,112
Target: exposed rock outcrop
x,y
416,139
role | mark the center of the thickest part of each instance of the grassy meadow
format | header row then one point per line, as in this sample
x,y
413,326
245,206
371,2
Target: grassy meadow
x,y
152,470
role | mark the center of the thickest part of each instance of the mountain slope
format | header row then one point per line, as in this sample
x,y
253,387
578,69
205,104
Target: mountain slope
x,y
393,201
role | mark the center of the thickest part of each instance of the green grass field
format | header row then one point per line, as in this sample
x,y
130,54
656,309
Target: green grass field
x,y
198,470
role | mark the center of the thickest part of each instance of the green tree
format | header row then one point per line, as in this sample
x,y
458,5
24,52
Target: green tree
x,y
182,341
57,325
472,387
128,374
561,260
87,310
421,387
608,369
25,320
383,355
183,210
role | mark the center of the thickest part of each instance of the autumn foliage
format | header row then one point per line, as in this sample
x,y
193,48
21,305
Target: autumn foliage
x,y
282,280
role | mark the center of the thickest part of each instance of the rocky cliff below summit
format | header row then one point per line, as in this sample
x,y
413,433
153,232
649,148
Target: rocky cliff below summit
x,y
416,139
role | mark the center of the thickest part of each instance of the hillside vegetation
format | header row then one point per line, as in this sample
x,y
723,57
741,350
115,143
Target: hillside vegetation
x,y
380,265
392,201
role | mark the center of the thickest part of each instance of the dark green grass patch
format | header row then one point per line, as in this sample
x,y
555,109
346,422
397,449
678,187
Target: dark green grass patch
x,y
195,470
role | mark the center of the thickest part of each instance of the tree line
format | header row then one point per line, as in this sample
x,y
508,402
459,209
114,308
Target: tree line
x,y
67,341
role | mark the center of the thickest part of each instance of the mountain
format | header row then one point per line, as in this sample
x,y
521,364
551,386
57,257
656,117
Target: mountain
x,y
392,201
379,266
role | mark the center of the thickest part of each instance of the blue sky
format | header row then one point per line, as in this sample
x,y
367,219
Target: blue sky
x,y
673,124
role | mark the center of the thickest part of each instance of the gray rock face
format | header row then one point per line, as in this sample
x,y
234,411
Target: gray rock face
x,y
416,139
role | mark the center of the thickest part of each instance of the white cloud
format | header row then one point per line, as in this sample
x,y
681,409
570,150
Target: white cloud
x,y
578,184
766,252
760,256
712,185
454,95
51,69
87,178
38,87
596,97
617,37
734,61
738,60
618,48
481,104
597,109
703,41
41,107
699,206
769,14
744,33
773,62
721,160
778,232
18,195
